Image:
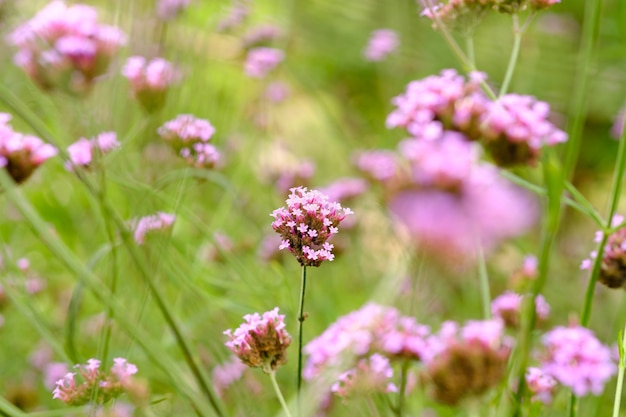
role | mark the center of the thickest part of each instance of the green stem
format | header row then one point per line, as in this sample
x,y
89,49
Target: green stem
x,y
517,41
301,319
279,394
469,46
9,410
620,374
402,395
484,284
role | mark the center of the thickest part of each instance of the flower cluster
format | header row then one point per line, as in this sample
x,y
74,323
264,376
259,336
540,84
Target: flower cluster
x,y
65,46
371,374
21,154
260,61
189,137
306,225
236,15
613,265
96,386
540,384
382,42
467,362
262,341
359,334
508,306
159,221
149,80
82,151
261,34
170,9
577,360
513,129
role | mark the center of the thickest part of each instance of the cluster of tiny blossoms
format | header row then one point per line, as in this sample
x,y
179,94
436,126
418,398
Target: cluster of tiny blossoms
x,y
577,360
370,374
96,386
21,154
81,152
260,61
508,306
613,263
382,42
65,46
149,80
513,128
189,137
306,225
159,221
261,341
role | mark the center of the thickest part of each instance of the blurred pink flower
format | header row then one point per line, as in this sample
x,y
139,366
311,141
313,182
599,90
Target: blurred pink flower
x,y
189,137
227,373
159,221
382,42
541,384
170,9
150,80
81,152
260,61
371,374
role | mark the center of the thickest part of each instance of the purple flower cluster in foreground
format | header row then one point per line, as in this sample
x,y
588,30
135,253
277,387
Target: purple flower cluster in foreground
x,y
382,42
82,151
307,223
261,341
65,46
96,386
21,154
189,137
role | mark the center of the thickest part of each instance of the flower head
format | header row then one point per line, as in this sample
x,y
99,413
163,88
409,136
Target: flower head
x,y
82,151
541,384
262,341
382,42
150,80
613,265
576,359
260,61
189,137
508,305
21,154
159,221
169,9
371,374
306,225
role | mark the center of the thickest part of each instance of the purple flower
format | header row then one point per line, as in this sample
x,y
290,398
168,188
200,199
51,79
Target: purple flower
x,y
189,137
576,359
21,154
81,152
262,341
507,306
260,61
382,42
613,265
541,384
307,223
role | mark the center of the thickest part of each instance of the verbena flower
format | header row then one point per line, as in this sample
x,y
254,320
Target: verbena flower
x,y
361,333
577,360
236,15
170,9
613,264
82,151
261,341
260,61
65,46
370,375
261,34
467,362
150,80
20,154
90,384
540,384
381,43
515,128
189,137
307,223
507,306
379,165
142,226
225,374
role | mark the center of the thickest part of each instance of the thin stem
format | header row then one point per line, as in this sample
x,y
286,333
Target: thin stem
x,y
620,374
402,395
301,319
517,41
469,47
484,284
279,394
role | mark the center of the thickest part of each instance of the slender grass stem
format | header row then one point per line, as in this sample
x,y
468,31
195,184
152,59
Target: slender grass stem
x,y
517,41
620,373
402,394
484,283
279,394
469,47
301,318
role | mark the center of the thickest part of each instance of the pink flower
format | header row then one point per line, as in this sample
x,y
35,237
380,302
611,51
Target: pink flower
x,y
21,154
227,373
150,80
123,370
576,359
235,17
507,307
309,211
612,267
618,123
159,221
262,341
261,34
82,151
382,42
380,165
260,61
189,137
372,374
541,384
170,9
